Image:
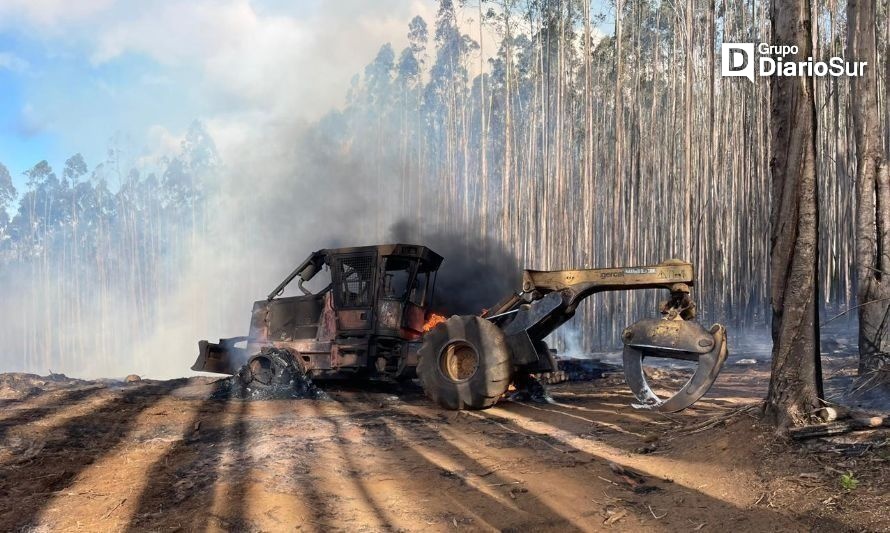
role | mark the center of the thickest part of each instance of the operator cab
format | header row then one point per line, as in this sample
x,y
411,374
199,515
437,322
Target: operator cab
x,y
383,290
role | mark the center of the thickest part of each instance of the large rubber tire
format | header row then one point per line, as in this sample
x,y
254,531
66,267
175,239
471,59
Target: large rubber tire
x,y
270,374
272,367
465,363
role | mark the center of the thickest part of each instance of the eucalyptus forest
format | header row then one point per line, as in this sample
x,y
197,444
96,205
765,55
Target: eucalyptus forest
x,y
553,169
566,145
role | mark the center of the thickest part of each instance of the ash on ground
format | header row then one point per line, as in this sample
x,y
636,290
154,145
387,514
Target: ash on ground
x,y
577,369
280,379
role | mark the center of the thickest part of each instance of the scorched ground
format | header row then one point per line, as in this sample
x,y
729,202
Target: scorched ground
x,y
162,456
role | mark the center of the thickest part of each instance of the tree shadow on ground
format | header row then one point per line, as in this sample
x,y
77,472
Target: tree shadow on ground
x,y
33,414
406,439
426,467
520,421
76,443
182,482
423,437
321,503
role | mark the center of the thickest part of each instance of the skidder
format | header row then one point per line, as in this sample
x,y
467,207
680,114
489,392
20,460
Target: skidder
x,y
374,321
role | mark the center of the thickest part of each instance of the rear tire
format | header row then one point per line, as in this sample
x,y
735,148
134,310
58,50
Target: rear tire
x,y
465,363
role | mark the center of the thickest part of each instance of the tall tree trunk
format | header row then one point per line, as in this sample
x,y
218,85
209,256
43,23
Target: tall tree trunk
x,y
507,172
872,192
618,174
794,388
483,135
687,148
587,159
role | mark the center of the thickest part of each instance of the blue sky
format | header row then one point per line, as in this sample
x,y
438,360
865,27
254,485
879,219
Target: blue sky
x,y
54,105
19,143
75,74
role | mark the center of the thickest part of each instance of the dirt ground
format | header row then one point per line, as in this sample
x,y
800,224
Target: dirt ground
x,y
161,456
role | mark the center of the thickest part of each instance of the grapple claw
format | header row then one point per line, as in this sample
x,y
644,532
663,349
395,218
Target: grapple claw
x,y
674,339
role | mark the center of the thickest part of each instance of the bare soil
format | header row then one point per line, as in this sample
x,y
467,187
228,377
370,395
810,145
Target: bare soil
x,y
163,456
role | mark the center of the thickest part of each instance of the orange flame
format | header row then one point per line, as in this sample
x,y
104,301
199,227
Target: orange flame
x,y
433,321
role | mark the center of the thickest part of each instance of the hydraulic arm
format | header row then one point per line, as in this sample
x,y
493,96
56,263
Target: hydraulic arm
x,y
550,298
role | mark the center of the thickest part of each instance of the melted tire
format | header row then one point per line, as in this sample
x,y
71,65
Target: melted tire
x,y
465,363
271,374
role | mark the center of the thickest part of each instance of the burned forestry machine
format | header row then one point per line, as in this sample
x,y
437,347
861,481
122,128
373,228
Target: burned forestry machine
x,y
373,321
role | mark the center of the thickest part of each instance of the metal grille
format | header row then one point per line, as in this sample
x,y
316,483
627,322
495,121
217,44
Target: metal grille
x,y
356,274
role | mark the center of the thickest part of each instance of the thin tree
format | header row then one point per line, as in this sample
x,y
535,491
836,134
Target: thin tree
x,y
872,191
687,145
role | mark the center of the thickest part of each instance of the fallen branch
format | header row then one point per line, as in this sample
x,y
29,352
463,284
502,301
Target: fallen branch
x,y
871,379
615,517
656,516
113,509
844,312
839,427
711,422
505,484
634,480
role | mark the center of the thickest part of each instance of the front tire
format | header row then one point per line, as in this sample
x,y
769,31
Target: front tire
x,y
465,363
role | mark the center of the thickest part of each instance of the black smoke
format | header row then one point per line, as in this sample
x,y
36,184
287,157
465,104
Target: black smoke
x,y
477,271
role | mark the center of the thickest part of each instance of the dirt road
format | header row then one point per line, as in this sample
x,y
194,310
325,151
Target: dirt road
x,y
161,456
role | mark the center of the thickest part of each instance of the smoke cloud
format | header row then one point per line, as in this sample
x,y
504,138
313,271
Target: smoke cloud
x,y
478,271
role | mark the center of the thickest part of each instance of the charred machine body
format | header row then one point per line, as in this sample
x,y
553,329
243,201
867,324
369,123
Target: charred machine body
x,y
371,321
367,322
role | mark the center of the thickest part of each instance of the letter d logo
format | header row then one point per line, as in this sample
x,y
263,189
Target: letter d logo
x,y
737,59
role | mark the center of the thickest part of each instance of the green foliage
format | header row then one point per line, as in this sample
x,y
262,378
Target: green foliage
x,y
848,482
7,190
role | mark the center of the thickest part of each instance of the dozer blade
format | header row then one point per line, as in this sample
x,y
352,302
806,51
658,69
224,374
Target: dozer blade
x,y
674,339
222,358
